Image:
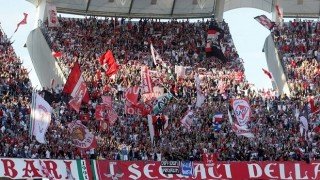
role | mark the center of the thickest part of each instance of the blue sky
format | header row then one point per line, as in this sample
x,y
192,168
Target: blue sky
x,y
248,36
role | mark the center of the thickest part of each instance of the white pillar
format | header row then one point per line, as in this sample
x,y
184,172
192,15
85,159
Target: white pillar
x,y
41,11
219,9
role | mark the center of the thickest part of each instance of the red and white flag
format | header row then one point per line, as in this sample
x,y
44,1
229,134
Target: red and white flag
x,y
267,73
242,112
77,88
132,94
109,63
264,21
146,82
187,120
52,16
22,22
141,109
81,136
155,123
106,113
40,117
212,37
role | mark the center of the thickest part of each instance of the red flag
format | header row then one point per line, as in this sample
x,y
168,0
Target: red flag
x,y
132,94
77,88
56,54
22,22
267,73
108,60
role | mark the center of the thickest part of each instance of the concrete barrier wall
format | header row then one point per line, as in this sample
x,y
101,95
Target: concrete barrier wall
x,y
275,67
44,63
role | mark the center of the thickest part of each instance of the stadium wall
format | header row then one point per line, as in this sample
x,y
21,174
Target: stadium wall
x,y
275,66
44,63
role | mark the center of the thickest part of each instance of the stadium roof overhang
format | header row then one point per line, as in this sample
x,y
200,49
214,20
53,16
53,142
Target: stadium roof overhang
x,y
136,8
179,8
291,8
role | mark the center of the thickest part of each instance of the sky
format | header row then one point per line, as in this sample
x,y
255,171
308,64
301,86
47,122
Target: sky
x,y
248,36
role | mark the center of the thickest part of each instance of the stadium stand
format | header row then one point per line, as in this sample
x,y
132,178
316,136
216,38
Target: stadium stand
x,y
128,139
297,42
279,135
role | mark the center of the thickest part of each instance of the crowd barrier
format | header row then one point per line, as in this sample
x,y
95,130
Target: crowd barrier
x,y
105,169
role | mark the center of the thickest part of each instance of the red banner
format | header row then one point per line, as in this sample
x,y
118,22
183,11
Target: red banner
x,y
234,170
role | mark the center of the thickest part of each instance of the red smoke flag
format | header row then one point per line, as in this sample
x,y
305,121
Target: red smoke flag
x,y
264,21
22,22
109,64
267,73
77,88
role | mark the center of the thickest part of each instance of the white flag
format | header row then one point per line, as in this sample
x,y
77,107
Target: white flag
x,y
52,16
40,117
155,56
200,96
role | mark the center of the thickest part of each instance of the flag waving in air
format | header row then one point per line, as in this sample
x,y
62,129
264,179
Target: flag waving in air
x,y
156,57
264,21
267,73
77,88
22,22
109,63
213,47
242,112
40,117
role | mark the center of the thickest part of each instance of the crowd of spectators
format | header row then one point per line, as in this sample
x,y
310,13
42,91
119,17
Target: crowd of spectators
x,y
274,121
298,45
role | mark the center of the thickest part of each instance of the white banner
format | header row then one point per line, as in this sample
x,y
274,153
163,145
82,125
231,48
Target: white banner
x,y
40,117
52,16
242,113
15,168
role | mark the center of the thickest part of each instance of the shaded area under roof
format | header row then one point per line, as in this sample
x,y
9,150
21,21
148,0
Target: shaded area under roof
x,y
179,8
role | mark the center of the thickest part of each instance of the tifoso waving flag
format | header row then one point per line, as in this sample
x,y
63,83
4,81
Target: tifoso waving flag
x,y
40,117
76,87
